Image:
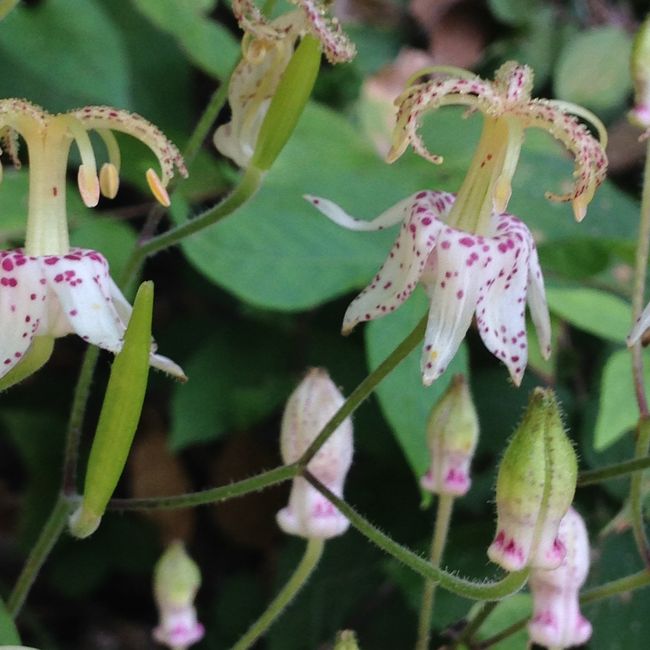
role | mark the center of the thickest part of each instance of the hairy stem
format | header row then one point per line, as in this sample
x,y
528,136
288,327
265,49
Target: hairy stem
x,y
213,495
509,584
609,472
296,582
365,388
75,422
440,533
49,535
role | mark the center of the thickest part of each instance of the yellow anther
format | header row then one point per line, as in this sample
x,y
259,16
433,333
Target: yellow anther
x,y
109,180
580,207
88,186
157,188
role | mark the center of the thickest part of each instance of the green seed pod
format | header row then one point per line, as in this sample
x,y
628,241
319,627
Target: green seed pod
x,y
288,102
535,487
119,416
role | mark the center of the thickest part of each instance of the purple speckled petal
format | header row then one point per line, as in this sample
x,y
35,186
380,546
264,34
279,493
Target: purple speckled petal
x,y
80,284
500,312
398,277
22,305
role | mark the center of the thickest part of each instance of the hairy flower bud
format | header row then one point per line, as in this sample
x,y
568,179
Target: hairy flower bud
x,y
535,487
176,581
452,433
557,621
640,69
310,407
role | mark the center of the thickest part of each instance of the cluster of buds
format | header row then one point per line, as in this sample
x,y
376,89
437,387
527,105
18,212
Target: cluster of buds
x,y
452,434
557,621
535,487
175,583
312,404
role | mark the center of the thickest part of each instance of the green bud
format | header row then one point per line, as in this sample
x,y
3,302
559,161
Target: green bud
x,y
452,434
288,102
535,487
346,640
119,416
640,69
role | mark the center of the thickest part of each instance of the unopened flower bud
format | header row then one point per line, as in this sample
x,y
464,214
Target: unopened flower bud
x,y
308,410
640,69
452,433
175,583
535,487
557,621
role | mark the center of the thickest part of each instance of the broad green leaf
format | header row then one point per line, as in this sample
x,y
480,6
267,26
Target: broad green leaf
x,y
509,611
62,53
593,311
406,403
236,378
8,631
618,411
514,12
208,44
594,70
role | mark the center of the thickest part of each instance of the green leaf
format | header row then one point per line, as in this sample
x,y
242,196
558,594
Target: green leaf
x,y
78,38
208,44
236,378
8,631
510,610
618,411
594,70
593,311
405,402
514,12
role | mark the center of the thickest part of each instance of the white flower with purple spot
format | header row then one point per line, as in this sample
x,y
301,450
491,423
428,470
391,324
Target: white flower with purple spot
x,y
491,275
48,289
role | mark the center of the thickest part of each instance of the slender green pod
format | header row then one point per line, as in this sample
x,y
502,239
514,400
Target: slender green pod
x,y
119,417
288,102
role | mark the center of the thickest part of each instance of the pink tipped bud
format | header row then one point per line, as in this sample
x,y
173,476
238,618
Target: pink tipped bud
x,y
452,434
308,410
176,581
535,487
557,621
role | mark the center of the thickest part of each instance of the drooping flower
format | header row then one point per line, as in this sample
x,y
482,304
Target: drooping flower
x,y
452,432
470,256
309,514
492,275
48,289
176,581
267,48
508,110
557,621
535,487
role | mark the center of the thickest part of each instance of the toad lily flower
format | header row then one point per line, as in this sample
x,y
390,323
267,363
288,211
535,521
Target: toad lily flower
x,y
507,109
48,289
470,256
268,47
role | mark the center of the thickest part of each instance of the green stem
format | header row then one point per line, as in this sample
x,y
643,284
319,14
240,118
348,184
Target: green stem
x,y
617,470
207,119
636,500
639,287
213,495
248,185
310,560
497,590
75,422
364,389
49,535
440,533
474,624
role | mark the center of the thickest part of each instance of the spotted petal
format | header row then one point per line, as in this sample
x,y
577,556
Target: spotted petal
x,y
22,305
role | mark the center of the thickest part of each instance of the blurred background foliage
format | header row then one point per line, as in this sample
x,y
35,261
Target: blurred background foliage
x,y
249,304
